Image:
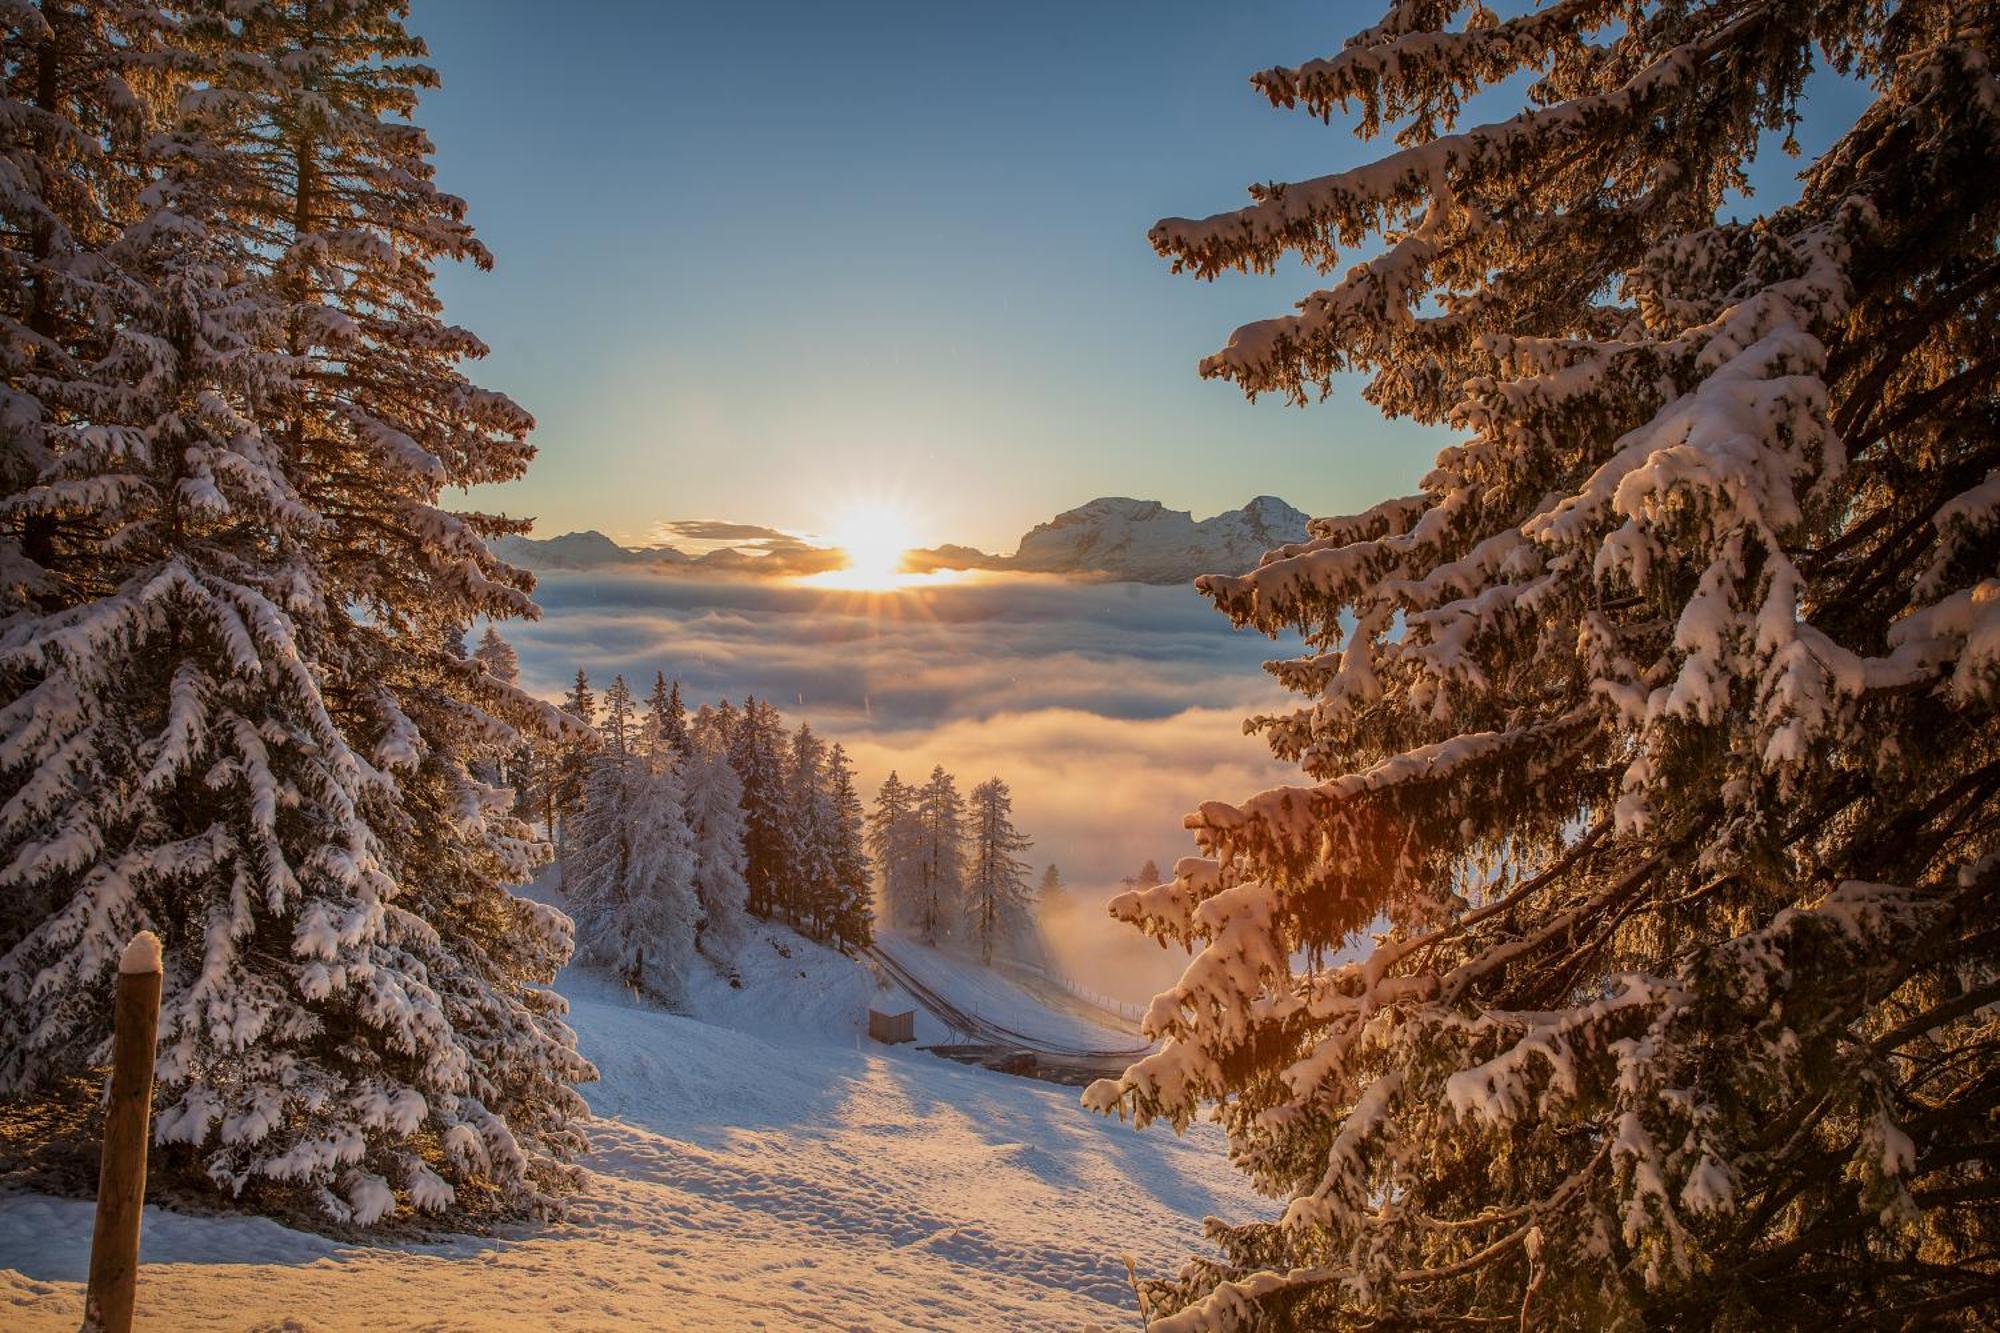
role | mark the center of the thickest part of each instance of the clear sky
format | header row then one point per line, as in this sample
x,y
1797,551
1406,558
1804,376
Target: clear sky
x,y
755,258
758,259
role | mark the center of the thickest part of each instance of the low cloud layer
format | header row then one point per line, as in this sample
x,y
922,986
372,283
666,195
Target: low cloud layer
x,y
1111,709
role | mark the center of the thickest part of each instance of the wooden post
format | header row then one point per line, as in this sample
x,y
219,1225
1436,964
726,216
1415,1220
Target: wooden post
x,y
121,1174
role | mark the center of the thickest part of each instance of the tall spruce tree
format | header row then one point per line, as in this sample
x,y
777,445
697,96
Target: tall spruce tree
x,y
715,812
498,656
807,891
666,718
996,876
940,871
1653,738
851,921
237,707
632,881
895,840
757,750
567,763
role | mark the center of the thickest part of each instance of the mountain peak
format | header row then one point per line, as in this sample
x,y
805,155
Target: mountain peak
x,y
1146,542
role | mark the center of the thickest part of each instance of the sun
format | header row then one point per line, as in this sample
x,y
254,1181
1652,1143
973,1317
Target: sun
x,y
874,535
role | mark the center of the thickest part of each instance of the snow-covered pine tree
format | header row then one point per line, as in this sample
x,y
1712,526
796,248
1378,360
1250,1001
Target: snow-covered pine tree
x,y
632,872
940,886
996,876
510,768
498,657
725,718
72,130
757,749
852,923
199,734
715,811
666,719
567,764
895,840
1653,738
807,889
620,725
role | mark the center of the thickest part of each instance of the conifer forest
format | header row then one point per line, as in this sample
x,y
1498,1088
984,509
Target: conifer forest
x,y
576,752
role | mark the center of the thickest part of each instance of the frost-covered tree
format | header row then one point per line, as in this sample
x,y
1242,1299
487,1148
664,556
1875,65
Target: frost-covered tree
x,y
75,113
895,840
513,769
851,921
996,877
498,657
235,705
619,728
666,719
806,887
715,812
632,877
757,749
940,875
1652,739
567,763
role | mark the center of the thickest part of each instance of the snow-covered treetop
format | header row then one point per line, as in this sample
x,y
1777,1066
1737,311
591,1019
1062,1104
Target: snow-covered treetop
x,y
1650,737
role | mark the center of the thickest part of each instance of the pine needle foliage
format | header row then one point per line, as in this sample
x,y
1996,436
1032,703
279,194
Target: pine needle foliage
x,y
1649,747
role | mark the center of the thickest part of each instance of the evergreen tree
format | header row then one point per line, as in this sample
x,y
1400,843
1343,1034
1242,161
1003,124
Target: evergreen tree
x,y
618,730
498,657
568,765
705,729
725,719
632,881
940,877
1653,738
852,918
666,719
77,114
997,878
895,840
757,752
806,885
216,459
715,810
1052,892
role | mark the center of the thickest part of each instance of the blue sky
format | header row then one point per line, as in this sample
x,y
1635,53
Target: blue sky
x,y
760,260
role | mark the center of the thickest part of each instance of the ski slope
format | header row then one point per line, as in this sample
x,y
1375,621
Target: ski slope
x,y
761,1165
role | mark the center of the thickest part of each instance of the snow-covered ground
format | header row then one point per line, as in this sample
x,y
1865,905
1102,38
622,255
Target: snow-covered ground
x,y
761,1166
993,997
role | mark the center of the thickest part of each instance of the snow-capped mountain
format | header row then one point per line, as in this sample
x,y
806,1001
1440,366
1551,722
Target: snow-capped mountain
x,y
1139,541
1146,542
580,550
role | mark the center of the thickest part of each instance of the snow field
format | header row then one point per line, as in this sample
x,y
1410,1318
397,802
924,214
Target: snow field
x,y
761,1166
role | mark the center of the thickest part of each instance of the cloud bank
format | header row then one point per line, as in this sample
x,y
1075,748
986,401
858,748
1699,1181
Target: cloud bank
x,y
1111,709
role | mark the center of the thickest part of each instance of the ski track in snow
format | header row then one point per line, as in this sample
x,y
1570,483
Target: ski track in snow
x,y
765,1166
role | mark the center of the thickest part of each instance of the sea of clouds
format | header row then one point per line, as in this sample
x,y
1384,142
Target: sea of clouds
x,y
1112,709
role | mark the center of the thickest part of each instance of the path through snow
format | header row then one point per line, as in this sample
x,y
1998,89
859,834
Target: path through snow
x,y
764,1166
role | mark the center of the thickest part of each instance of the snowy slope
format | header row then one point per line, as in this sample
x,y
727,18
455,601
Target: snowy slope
x,y
1146,542
992,996
761,1166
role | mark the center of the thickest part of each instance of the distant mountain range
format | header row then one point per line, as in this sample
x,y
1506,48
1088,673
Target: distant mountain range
x,y
1138,541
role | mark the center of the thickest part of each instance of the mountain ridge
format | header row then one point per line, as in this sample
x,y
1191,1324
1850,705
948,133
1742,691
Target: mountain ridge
x,y
1113,537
